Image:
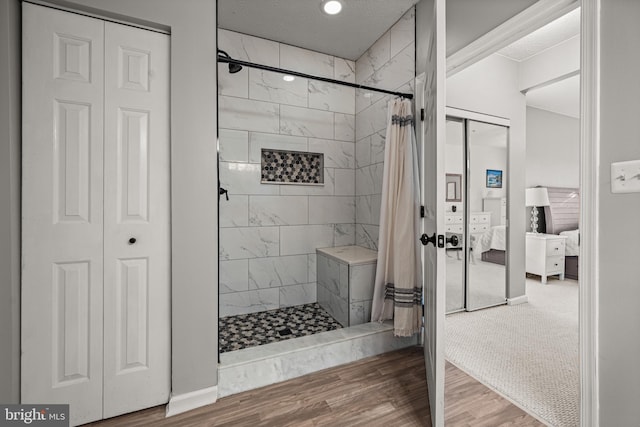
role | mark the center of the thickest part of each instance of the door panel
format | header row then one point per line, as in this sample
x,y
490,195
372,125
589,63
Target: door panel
x,y
137,273
433,185
62,204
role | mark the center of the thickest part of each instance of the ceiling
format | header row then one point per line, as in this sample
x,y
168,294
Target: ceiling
x,y
562,97
302,23
552,34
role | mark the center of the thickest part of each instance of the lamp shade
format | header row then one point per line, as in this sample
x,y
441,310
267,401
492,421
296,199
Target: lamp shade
x,y
537,196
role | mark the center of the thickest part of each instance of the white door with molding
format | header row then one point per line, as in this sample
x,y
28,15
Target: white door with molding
x,y
430,95
95,215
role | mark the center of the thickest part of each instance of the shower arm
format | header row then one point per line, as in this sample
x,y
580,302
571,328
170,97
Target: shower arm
x,y
225,58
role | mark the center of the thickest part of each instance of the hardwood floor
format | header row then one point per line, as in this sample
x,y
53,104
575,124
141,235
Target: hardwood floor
x,y
386,390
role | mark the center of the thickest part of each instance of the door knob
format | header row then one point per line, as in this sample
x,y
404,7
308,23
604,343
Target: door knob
x,y
132,240
453,240
426,239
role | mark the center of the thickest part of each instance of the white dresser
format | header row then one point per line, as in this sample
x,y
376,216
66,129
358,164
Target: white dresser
x,y
479,222
545,255
497,206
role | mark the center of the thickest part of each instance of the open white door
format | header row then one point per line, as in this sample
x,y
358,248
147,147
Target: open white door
x,y
431,134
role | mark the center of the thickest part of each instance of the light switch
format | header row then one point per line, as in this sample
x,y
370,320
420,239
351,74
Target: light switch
x,y
625,177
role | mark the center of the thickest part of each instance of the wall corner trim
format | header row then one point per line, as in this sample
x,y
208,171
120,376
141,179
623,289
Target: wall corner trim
x,y
522,299
194,399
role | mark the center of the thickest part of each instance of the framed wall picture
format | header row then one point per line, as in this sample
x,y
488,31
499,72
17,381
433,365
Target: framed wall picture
x,y
494,178
454,187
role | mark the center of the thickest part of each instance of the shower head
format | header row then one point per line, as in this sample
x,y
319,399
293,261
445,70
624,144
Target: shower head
x,y
233,68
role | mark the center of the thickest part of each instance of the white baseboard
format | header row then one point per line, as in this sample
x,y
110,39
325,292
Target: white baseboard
x,y
518,300
185,402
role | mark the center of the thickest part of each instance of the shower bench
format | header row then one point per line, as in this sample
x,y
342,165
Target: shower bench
x,y
345,277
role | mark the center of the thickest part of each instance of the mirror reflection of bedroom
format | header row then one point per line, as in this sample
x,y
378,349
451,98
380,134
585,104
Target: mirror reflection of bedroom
x,y
513,202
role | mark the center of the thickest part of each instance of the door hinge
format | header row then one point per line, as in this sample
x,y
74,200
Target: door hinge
x,y
422,114
421,211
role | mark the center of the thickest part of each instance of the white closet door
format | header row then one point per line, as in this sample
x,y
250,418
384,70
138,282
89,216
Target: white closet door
x,y
136,274
62,206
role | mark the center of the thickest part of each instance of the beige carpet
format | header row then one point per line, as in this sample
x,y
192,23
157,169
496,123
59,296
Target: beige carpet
x,y
527,352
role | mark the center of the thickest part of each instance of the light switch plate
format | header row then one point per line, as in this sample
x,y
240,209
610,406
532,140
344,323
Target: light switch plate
x,y
625,177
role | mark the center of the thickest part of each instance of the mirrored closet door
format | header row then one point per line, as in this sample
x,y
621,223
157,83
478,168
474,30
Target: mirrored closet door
x,y
476,204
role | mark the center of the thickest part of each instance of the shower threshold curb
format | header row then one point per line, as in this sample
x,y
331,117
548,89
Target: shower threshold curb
x,y
255,367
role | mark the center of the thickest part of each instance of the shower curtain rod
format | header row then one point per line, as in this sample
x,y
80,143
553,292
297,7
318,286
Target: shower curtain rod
x,y
309,76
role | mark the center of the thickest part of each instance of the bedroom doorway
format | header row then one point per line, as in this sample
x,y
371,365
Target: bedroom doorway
x,y
476,157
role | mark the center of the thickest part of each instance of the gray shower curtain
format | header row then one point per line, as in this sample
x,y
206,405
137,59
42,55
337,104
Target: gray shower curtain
x,y
398,284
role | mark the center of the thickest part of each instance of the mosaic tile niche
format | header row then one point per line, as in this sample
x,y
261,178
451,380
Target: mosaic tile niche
x,y
292,167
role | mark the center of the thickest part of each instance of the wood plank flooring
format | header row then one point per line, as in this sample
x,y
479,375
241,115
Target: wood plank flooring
x,y
385,390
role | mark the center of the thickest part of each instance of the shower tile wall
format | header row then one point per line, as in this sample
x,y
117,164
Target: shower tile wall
x,y
268,232
390,64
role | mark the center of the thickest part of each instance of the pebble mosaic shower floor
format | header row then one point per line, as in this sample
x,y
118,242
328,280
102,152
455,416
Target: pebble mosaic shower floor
x,y
249,330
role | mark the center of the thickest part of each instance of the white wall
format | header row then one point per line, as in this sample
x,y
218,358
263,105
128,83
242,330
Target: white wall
x,y
390,64
553,149
617,216
193,163
269,233
491,87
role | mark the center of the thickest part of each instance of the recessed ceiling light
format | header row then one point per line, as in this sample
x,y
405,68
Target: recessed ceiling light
x,y
288,78
332,7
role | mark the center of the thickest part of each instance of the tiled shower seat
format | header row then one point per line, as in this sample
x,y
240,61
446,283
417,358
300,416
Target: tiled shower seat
x,y
345,277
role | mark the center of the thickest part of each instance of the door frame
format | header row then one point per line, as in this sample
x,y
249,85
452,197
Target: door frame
x,y
532,18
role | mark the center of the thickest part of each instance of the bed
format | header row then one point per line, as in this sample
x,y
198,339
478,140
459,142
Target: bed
x,y
491,245
562,217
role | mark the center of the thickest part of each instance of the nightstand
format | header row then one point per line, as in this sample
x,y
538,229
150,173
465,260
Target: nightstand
x,y
545,255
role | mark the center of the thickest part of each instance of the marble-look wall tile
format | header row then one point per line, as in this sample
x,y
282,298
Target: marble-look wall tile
x,y
298,294
376,205
398,71
372,119
278,271
328,273
304,239
363,152
248,114
243,178
339,309
331,97
364,211
249,48
345,234
249,302
278,210
236,84
367,236
344,281
366,180
270,86
234,145
312,268
345,182
248,242
377,147
305,122
306,61
344,70
234,276
345,127
332,209
337,154
374,58
403,32
323,296
361,279
258,141
312,190
235,211
356,313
